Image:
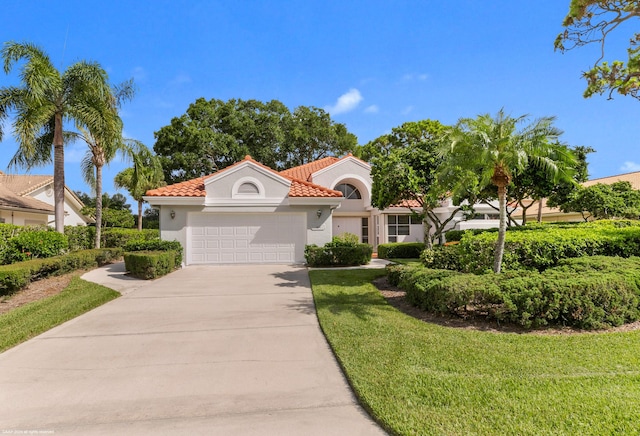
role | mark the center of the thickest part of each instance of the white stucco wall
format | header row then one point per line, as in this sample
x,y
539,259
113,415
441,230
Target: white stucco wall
x,y
72,215
23,218
222,187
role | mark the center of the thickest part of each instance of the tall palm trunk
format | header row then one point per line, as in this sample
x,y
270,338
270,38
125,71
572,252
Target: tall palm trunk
x,y
58,173
98,205
140,215
502,230
501,178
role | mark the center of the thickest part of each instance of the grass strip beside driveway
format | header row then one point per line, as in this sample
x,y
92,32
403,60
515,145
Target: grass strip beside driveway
x,y
37,317
418,378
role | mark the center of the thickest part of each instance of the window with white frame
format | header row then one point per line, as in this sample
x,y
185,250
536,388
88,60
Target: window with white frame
x,y
398,225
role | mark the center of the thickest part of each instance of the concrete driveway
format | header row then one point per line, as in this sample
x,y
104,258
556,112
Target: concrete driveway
x,y
228,350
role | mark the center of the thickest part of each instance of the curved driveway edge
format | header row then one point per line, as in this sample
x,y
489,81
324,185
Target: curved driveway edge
x,y
207,349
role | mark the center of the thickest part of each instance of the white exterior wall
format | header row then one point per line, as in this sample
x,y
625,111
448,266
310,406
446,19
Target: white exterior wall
x,y
23,218
72,215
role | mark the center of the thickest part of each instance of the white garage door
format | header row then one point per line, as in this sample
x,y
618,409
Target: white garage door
x,y
246,238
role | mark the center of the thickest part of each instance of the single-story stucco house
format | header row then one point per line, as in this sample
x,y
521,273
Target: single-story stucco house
x,y
28,200
250,213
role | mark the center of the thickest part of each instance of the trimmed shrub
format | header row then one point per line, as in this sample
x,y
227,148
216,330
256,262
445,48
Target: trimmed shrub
x,y
541,249
400,250
155,245
343,250
39,244
18,275
117,237
456,235
590,292
150,264
338,256
80,237
442,257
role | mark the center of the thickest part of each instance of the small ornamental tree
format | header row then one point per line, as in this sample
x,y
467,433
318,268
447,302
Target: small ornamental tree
x,y
600,201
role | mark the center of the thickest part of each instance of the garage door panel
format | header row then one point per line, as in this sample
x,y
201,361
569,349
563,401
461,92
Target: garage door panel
x,y
246,238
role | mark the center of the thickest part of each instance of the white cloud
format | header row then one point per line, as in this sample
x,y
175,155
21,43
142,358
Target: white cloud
x,y
630,167
373,109
407,110
74,152
346,102
181,79
410,77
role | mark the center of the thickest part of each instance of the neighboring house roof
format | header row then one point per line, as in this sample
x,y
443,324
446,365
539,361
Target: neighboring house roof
x,y
21,184
195,187
11,201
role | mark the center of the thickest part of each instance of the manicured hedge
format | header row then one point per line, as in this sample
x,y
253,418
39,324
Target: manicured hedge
x,y
155,245
80,237
338,256
588,292
150,264
117,237
18,275
38,244
442,257
541,249
400,250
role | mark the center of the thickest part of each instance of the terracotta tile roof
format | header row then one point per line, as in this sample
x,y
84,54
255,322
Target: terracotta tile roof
x,y
300,188
9,200
303,172
407,203
22,184
190,188
195,187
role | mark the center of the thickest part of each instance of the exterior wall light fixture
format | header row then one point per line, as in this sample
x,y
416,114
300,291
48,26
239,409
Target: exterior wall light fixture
x,y
172,214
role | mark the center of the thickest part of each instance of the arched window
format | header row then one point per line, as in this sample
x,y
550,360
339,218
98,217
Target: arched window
x,y
350,192
248,188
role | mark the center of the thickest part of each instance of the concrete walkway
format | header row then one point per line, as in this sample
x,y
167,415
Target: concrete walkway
x,y
227,350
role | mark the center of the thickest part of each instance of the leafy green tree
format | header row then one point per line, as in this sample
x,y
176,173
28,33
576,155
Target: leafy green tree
x,y
116,202
562,192
591,22
404,168
214,134
600,201
497,148
145,174
534,183
44,100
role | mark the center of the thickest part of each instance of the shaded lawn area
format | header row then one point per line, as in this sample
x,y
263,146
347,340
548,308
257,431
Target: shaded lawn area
x,y
39,316
420,378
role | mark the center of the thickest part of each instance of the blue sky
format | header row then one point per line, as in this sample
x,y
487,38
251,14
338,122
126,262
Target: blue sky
x,y
372,64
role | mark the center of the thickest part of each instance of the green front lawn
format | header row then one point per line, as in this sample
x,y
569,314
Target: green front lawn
x,y
419,378
34,318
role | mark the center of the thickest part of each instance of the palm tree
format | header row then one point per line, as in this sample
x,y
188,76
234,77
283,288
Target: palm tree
x,y
145,174
45,99
103,147
495,148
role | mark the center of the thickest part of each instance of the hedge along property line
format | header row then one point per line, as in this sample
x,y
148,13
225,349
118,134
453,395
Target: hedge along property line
x,y
589,292
150,264
544,248
400,250
18,275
